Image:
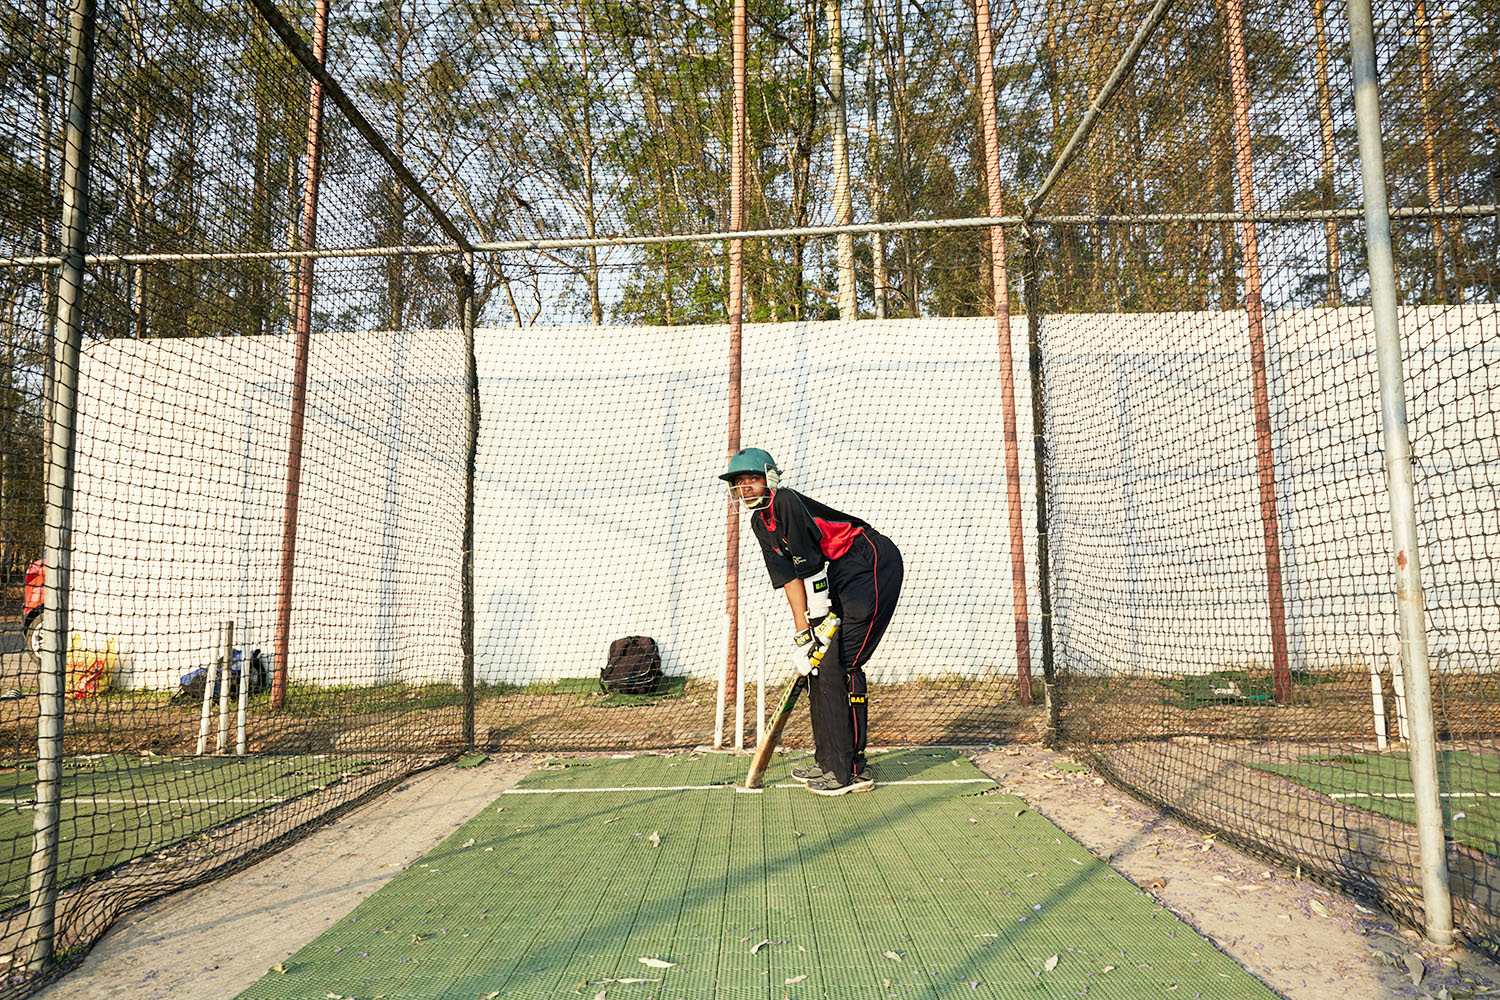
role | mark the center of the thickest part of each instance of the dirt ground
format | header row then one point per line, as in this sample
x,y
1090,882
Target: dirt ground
x,y
1302,940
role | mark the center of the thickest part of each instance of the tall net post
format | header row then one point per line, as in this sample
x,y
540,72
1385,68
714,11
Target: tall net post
x,y
1411,622
62,412
303,290
739,41
1234,27
1000,282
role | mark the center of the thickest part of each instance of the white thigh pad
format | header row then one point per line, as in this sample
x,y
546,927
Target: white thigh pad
x,y
819,597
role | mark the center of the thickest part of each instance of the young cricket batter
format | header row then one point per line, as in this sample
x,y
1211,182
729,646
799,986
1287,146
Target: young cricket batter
x,y
824,561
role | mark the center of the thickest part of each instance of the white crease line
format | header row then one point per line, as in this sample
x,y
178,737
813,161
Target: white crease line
x,y
141,802
700,788
1411,795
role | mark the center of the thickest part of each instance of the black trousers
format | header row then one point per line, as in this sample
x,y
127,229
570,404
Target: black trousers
x,y
865,582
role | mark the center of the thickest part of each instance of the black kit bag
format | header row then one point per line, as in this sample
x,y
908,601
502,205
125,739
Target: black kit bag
x,y
633,667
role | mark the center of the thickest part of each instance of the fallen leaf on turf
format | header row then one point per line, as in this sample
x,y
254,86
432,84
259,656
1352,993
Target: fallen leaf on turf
x,y
612,819
986,935
759,947
656,963
1108,968
893,956
599,995
973,820
469,842
418,937
887,983
655,838
637,981
491,995
1051,964
800,948
1318,908
1414,967
278,967
794,979
1020,811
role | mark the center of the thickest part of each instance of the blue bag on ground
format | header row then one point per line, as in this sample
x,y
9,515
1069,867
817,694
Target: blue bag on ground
x,y
190,687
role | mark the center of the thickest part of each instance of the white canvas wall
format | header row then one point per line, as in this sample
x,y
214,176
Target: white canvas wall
x,y
599,514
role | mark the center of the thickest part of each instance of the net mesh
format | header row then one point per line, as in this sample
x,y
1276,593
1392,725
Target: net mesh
x,y
1222,612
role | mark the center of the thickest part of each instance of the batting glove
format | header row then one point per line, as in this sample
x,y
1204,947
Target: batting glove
x,y
804,644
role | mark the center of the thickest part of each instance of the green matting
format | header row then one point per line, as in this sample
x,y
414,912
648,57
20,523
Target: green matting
x,y
553,891
118,807
1469,786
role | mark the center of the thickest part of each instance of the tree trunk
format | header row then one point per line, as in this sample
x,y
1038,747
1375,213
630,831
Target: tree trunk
x,y
658,132
1325,119
137,142
880,276
260,214
913,289
802,164
1429,153
842,202
596,308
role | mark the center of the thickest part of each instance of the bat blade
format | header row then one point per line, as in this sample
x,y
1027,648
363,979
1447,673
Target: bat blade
x,y
767,746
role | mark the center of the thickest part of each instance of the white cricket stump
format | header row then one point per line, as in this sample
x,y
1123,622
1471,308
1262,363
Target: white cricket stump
x,y
210,681
1377,701
723,680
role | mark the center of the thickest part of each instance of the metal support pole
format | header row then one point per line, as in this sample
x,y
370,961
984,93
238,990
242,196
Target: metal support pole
x,y
1281,674
63,412
302,328
736,308
1101,101
1410,621
1033,309
1001,282
471,381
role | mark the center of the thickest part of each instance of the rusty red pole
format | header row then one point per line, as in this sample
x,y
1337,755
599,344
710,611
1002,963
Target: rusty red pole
x,y
1265,459
736,308
302,326
1007,363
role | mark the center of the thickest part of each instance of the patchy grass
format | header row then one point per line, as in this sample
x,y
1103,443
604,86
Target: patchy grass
x,y
1235,687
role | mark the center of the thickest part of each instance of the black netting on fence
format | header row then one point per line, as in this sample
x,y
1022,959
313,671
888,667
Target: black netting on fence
x,y
1194,282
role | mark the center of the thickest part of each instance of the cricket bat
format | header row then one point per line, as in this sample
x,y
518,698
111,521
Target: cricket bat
x,y
827,630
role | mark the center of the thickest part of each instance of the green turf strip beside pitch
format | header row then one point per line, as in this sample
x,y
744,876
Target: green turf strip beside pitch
x,y
119,807
1469,786
555,894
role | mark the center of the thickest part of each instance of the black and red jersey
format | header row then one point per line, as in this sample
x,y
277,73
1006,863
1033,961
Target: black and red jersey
x,y
798,535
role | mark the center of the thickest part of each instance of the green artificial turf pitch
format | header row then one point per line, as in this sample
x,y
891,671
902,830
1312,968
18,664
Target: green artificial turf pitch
x,y
933,885
1469,785
118,807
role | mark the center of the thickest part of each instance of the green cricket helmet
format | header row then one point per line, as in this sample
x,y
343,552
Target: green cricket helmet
x,y
756,461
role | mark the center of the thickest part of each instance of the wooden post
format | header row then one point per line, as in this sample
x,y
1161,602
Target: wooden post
x,y
1007,359
1265,460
